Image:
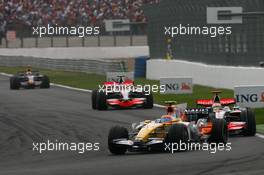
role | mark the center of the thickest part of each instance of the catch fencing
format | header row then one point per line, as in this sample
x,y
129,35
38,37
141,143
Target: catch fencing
x,y
245,46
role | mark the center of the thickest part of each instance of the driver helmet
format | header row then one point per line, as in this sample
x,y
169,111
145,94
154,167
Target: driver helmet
x,y
216,106
29,69
166,119
227,108
171,110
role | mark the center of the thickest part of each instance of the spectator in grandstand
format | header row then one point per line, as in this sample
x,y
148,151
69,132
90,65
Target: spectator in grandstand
x,y
2,22
72,12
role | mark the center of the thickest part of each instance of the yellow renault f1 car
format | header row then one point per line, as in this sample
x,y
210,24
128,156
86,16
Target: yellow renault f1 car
x,y
172,127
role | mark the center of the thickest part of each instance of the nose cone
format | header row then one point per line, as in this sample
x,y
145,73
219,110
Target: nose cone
x,y
30,80
146,131
125,95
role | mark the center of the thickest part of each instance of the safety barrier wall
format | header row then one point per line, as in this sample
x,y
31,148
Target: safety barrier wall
x,y
79,52
97,66
209,75
91,60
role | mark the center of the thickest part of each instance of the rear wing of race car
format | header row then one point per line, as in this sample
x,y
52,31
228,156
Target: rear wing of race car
x,y
205,102
125,83
21,73
210,102
216,99
193,114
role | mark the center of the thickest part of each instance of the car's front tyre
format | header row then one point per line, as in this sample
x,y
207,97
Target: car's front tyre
x,y
45,84
101,101
94,97
248,116
117,132
149,101
14,83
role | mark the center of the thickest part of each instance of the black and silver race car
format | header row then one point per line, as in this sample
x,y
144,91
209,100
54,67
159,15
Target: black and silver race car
x,y
29,80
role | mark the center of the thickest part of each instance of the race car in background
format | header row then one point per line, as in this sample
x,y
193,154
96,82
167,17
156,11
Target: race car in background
x,y
172,127
29,79
239,120
118,94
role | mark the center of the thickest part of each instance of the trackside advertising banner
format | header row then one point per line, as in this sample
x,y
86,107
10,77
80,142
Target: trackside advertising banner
x,y
250,96
177,85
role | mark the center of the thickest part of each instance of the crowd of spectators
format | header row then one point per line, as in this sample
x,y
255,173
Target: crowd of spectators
x,y
69,12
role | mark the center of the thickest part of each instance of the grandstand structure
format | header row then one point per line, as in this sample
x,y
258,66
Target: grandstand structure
x,y
21,16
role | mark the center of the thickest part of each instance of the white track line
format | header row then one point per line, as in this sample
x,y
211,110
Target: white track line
x,y
89,91
5,74
260,135
159,106
71,88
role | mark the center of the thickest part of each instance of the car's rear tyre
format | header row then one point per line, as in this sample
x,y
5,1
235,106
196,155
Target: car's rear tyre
x,y
14,83
178,133
149,101
94,96
117,132
101,101
248,116
45,84
219,131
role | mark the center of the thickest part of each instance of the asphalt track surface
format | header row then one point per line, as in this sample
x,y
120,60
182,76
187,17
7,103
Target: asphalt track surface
x,y
28,116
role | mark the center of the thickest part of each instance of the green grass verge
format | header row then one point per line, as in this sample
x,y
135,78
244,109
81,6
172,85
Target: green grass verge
x,y
91,81
260,128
